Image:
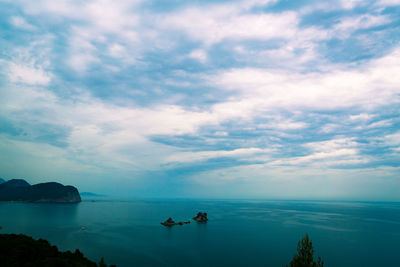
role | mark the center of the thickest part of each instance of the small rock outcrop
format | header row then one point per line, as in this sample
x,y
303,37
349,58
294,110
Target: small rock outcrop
x,y
201,217
170,222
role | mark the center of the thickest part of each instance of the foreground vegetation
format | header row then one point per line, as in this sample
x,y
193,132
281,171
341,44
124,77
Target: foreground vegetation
x,y
24,251
305,255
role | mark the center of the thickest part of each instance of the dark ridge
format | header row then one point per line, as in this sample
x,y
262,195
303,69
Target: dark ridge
x,y
16,183
20,190
22,250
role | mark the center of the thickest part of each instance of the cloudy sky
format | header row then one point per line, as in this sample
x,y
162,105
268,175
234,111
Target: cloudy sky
x,y
216,99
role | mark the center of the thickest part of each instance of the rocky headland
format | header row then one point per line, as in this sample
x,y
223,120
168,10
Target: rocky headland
x,y
52,192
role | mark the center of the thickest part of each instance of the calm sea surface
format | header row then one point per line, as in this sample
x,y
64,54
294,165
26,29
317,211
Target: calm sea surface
x,y
239,233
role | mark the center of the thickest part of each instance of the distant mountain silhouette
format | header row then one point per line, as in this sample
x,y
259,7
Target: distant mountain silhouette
x,y
20,190
90,194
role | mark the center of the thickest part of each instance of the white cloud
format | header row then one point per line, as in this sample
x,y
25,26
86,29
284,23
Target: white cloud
x,y
109,15
283,124
392,140
336,154
234,22
292,53
28,74
350,24
30,64
299,44
302,45
93,23
362,117
221,133
330,153
332,145
80,62
350,4
82,50
381,123
388,2
329,127
20,22
221,22
199,55
260,90
100,135
117,50
205,155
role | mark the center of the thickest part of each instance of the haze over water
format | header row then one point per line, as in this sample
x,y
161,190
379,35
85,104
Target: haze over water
x,y
239,233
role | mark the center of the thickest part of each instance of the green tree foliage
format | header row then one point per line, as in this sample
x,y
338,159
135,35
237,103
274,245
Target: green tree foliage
x,y
305,255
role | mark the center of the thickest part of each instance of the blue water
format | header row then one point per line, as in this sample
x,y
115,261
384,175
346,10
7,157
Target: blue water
x,y
239,233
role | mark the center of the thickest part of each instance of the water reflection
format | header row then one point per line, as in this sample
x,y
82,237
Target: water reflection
x,y
20,217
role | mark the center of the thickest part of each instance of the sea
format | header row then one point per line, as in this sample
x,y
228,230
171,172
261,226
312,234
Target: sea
x,y
238,233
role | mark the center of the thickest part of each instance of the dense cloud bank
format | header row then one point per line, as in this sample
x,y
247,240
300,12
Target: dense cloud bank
x,y
213,99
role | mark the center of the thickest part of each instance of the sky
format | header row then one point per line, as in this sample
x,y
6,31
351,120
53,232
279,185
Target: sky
x,y
203,99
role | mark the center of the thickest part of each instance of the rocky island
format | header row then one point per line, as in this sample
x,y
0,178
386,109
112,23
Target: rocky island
x,y
171,222
52,192
201,217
